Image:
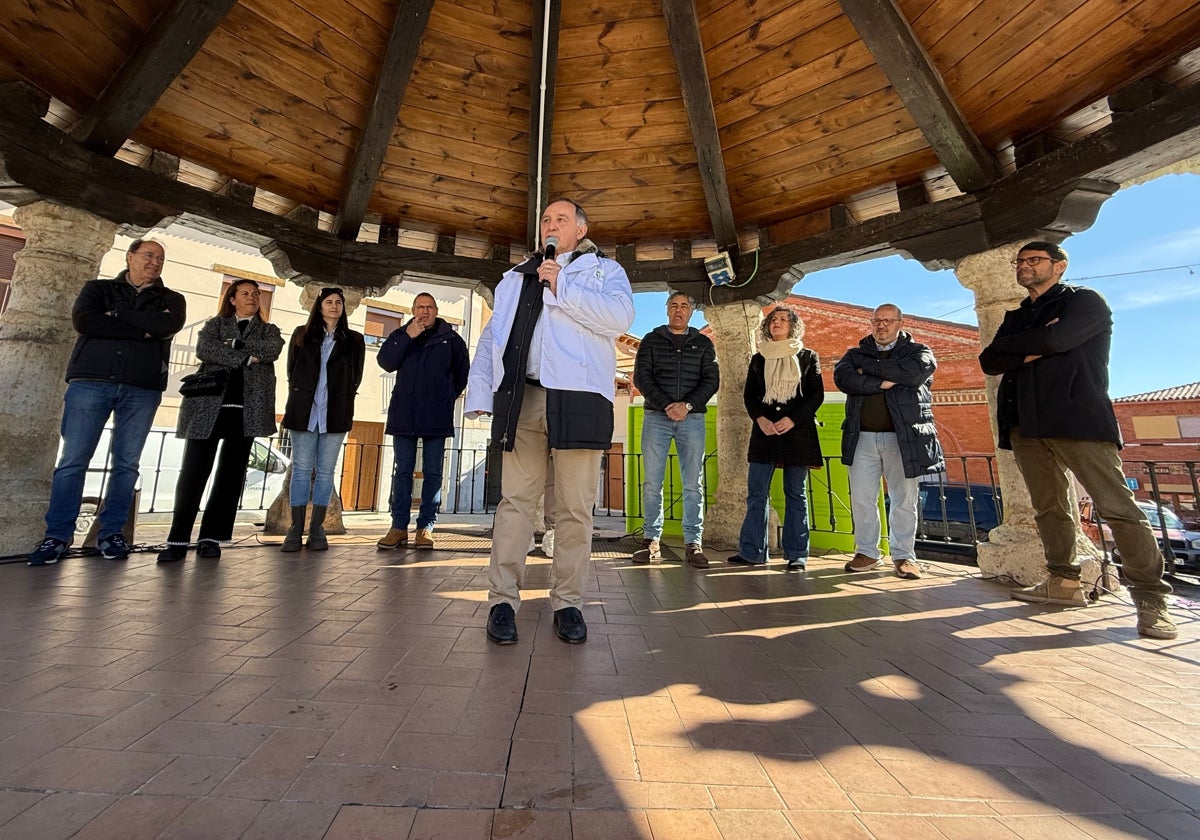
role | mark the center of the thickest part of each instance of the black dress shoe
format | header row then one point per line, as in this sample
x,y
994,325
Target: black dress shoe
x,y
739,560
502,625
172,554
569,624
208,550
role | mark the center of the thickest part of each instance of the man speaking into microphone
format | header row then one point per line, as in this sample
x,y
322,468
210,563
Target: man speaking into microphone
x,y
545,369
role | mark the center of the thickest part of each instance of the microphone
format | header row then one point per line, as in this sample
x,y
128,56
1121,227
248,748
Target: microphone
x,y
551,249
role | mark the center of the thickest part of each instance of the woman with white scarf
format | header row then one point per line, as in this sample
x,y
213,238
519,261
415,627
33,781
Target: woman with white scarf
x,y
782,394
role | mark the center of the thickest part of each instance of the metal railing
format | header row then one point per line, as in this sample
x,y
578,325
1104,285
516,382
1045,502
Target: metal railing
x,y
957,508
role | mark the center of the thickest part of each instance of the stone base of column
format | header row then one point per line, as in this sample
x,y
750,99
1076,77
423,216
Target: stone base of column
x,y
1015,552
279,515
721,528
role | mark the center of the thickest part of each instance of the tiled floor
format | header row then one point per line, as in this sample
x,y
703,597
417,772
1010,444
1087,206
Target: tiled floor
x,y
352,694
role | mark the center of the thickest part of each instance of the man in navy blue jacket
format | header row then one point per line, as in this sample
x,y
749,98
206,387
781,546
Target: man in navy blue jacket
x,y
430,362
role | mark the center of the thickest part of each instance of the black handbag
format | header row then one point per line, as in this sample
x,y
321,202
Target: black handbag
x,y
204,383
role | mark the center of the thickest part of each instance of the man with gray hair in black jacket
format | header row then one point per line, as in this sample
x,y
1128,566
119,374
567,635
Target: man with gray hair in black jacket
x,y
1053,412
676,371
118,369
888,434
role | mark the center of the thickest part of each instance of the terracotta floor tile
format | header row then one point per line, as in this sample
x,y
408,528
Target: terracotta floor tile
x,y
370,822
368,784
209,819
768,825
531,825
730,797
439,824
609,825
291,820
828,826
683,825
57,815
665,764
134,816
972,828
191,776
465,790
538,789
186,738
271,769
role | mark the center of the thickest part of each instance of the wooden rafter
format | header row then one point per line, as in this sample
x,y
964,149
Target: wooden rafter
x,y
1056,194
174,38
908,67
683,29
412,16
546,16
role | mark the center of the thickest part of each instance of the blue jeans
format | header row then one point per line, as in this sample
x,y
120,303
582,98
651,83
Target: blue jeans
x,y
86,409
877,455
313,450
658,430
752,542
434,449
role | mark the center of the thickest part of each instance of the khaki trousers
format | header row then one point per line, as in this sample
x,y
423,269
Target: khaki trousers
x,y
576,473
1044,463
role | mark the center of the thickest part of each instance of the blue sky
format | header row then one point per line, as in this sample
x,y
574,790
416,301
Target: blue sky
x,y
1151,226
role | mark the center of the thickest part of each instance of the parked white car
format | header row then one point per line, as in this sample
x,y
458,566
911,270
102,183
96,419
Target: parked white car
x,y
162,459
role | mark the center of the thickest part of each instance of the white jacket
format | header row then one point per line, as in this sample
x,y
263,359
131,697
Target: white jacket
x,y
580,326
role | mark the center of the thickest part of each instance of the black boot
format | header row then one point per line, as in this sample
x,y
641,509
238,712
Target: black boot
x,y
293,539
317,540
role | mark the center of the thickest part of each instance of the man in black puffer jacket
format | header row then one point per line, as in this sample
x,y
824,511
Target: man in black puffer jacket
x,y
676,371
119,369
888,433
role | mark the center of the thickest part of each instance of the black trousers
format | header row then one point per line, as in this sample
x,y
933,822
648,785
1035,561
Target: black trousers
x,y
198,459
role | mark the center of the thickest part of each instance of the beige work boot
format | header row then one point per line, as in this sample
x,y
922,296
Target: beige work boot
x,y
1153,619
424,538
1053,590
394,538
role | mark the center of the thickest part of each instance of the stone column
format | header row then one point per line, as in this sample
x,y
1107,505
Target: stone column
x,y
63,249
279,515
733,326
1014,549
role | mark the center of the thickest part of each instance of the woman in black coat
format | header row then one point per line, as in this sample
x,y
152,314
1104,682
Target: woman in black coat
x,y
240,345
325,367
782,394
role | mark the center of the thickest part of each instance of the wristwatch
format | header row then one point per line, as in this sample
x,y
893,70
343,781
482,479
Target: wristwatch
x,y
688,406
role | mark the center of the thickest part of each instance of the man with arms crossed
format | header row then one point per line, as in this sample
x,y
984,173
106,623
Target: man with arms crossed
x,y
888,433
1053,412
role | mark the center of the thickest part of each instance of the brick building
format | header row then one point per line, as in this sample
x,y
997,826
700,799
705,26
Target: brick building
x,y
1162,428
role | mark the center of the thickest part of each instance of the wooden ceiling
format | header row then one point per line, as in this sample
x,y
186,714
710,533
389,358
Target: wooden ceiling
x,y
791,133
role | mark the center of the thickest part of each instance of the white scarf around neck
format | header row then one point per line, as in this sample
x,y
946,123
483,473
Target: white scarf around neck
x,y
781,373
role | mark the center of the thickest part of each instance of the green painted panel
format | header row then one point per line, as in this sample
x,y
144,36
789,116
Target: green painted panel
x,y
828,489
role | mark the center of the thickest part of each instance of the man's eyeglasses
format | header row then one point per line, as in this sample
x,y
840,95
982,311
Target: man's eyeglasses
x,y
880,322
1032,262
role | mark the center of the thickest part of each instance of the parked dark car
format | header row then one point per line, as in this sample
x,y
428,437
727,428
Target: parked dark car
x,y
953,517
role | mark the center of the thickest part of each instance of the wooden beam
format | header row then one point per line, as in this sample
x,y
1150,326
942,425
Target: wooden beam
x,y
1057,194
546,17
683,29
174,38
886,32
408,27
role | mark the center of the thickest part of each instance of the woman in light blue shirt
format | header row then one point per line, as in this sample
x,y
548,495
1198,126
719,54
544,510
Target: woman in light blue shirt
x,y
325,367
